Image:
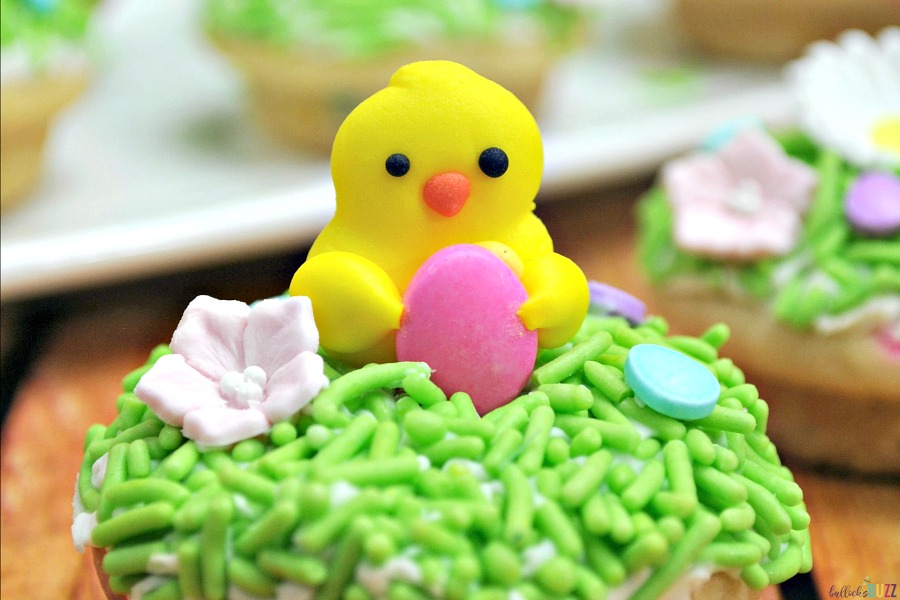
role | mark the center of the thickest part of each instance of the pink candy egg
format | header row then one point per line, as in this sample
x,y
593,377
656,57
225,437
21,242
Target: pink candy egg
x,y
460,317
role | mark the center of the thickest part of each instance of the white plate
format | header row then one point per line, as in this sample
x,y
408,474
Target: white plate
x,y
157,168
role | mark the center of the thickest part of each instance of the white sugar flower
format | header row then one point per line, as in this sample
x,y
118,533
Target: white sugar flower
x,y
236,370
849,96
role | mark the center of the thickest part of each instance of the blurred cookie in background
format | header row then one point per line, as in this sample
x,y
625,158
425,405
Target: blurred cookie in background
x,y
777,30
792,238
43,68
308,63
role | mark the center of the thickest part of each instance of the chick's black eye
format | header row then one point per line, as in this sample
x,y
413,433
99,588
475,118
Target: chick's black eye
x,y
397,165
493,162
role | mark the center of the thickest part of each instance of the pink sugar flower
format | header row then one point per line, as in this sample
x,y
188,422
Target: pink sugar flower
x,y
742,203
235,370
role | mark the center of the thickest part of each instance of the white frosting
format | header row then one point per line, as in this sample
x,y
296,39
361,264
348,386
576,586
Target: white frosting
x,y
556,432
790,268
490,489
82,526
539,499
636,464
77,505
342,492
83,522
535,556
878,311
242,505
163,564
431,515
236,593
690,582
98,471
424,463
293,591
146,585
377,579
17,64
822,281
578,460
644,431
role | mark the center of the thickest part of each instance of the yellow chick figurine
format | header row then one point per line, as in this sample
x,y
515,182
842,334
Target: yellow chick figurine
x,y
442,156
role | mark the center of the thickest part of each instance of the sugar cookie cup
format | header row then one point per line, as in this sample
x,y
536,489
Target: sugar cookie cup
x,y
306,70
776,31
300,99
43,69
28,110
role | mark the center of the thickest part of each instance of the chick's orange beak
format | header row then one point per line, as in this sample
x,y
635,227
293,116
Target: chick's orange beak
x,y
446,193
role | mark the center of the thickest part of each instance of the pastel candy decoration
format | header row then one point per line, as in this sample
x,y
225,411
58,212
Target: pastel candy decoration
x,y
670,382
42,6
727,131
460,318
440,157
872,204
614,301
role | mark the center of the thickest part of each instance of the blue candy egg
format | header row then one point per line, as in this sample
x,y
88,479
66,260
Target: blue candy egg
x,y
726,132
670,382
41,6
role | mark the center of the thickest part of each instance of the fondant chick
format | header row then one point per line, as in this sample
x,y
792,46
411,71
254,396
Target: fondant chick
x,y
442,156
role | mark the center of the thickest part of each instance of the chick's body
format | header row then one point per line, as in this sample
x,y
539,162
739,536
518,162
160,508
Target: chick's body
x,y
440,157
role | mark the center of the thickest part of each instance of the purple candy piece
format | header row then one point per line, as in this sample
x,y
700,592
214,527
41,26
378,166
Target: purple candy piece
x,y
872,205
614,301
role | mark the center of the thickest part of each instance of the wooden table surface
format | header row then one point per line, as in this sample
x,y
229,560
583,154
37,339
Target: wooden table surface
x,y
87,341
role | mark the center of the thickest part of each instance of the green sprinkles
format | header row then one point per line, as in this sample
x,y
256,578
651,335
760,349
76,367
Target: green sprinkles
x,y
383,467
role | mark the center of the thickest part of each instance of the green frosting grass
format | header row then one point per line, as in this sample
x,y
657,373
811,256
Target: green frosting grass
x,y
38,30
353,28
834,268
566,492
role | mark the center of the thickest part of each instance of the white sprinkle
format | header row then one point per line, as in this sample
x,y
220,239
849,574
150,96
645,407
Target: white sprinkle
x,y
878,311
342,492
243,505
556,432
146,585
490,489
98,471
378,579
163,563
293,591
236,593
535,556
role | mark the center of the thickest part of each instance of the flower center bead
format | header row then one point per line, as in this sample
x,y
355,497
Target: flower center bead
x,y
746,197
886,133
244,390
